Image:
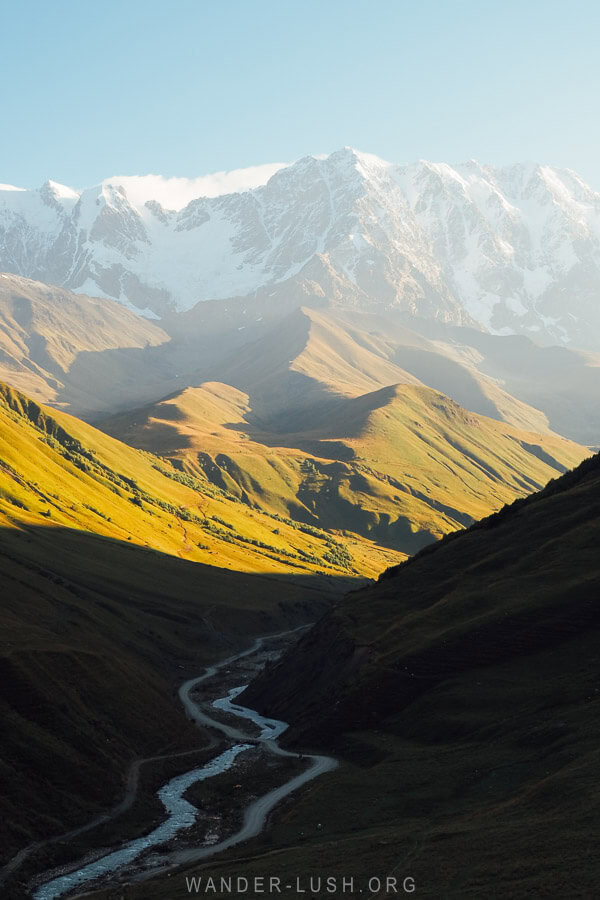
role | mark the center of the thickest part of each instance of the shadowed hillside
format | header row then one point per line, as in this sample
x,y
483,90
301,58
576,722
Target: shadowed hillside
x,y
96,636
460,694
461,690
521,581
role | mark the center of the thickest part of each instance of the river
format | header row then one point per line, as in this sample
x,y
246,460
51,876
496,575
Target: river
x,y
180,814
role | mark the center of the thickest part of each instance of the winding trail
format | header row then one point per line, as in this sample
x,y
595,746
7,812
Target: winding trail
x,y
182,814
131,788
255,815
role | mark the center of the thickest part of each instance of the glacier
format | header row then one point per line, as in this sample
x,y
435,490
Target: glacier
x,y
510,250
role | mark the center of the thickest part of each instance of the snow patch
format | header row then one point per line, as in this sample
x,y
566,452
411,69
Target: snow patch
x,y
62,192
468,241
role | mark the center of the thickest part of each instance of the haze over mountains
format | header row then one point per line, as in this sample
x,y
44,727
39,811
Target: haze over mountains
x,y
512,249
93,358
338,362
349,422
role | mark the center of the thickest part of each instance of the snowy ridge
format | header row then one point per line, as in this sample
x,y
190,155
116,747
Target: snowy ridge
x,y
175,193
512,249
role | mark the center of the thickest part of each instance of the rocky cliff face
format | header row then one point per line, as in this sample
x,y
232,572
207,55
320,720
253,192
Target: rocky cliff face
x,y
512,250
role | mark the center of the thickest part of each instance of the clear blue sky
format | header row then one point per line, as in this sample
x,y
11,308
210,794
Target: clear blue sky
x,y
187,87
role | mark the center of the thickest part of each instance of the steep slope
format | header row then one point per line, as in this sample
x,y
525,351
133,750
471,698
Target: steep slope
x,y
460,695
561,382
303,362
93,358
461,691
60,472
105,599
509,378
400,466
445,358
73,350
503,589
515,249
294,359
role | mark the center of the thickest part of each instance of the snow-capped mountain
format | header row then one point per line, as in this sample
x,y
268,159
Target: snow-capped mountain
x,y
513,249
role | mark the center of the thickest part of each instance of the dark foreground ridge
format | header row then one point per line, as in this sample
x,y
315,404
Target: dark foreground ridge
x,y
522,581
461,695
464,686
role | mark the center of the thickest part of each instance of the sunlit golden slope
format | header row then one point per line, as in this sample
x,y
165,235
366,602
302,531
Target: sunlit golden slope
x,y
58,471
400,465
315,344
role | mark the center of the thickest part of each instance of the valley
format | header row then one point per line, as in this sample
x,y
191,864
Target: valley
x,y
269,765
299,451
383,429
459,695
330,421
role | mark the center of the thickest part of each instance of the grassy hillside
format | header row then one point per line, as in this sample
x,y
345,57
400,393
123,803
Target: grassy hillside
x,y
93,357
106,605
522,580
461,693
301,363
96,634
562,383
56,470
70,349
400,466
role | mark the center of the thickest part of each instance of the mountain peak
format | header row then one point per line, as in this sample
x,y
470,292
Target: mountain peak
x,y
500,247
367,162
59,191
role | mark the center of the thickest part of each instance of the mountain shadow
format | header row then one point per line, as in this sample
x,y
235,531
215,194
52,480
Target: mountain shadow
x,y
96,636
461,692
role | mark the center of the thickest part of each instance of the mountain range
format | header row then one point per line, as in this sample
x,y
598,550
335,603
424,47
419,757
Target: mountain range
x,y
351,423
510,250
225,402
